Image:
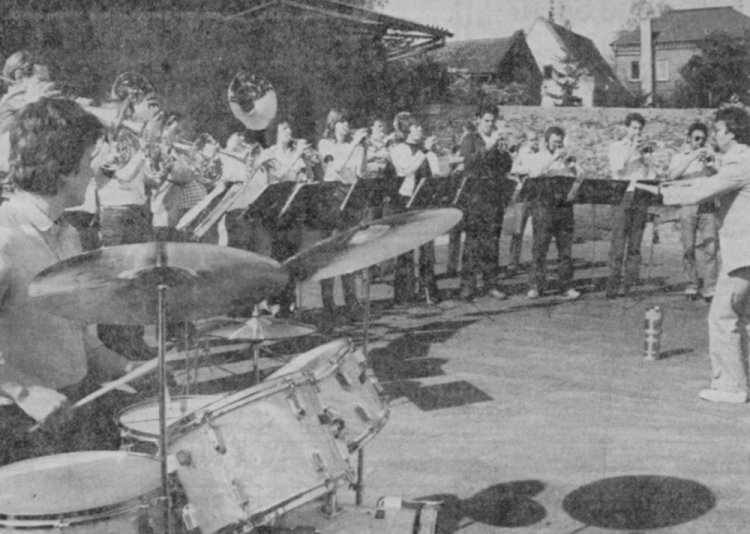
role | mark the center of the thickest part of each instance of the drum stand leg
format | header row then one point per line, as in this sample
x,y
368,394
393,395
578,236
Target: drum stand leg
x,y
256,362
331,508
360,484
161,329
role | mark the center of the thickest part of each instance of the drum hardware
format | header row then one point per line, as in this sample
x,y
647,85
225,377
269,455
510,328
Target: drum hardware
x,y
258,329
363,246
85,287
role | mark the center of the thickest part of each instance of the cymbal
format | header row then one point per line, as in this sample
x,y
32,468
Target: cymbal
x,y
262,328
370,243
119,285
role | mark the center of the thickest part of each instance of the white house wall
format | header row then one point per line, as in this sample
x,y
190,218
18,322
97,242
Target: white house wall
x,y
546,49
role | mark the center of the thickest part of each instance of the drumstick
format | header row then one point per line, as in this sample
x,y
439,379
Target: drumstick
x,y
149,367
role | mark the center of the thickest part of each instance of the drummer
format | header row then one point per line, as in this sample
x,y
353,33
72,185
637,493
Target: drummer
x,y
44,358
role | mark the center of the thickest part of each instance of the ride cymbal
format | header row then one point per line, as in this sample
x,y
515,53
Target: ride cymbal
x,y
371,243
119,285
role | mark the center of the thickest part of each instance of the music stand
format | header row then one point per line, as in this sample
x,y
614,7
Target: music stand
x,y
434,193
269,204
321,202
496,192
370,193
552,190
599,191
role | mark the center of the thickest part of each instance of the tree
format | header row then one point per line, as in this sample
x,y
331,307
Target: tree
x,y
721,70
567,80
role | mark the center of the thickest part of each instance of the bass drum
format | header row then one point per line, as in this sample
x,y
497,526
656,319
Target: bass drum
x,y
93,492
250,457
352,399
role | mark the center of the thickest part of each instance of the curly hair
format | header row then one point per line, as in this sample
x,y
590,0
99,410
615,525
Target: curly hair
x,y
47,142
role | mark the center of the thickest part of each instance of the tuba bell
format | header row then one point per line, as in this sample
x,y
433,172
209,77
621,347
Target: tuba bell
x,y
252,100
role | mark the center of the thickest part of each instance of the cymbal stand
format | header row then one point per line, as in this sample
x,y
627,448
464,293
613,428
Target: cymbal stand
x,y
359,488
161,334
256,348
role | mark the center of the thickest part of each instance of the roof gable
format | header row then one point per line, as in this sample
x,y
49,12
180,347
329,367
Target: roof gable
x,y
686,25
584,52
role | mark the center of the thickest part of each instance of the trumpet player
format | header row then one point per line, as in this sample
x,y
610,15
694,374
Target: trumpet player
x,y
287,159
552,218
485,158
697,221
343,157
628,161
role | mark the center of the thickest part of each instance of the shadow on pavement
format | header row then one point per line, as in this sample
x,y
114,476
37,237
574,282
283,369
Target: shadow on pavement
x,y
641,502
509,504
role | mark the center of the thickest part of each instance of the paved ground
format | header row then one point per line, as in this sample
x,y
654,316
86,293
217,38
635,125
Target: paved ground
x,y
544,417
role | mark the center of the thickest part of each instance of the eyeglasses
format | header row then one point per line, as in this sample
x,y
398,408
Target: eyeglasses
x,y
699,138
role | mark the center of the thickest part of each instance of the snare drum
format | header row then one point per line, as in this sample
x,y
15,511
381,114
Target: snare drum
x,y
352,399
139,423
251,456
93,492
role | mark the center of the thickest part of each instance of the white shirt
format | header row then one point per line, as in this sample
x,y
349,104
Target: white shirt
x,y
543,163
347,160
625,166
407,161
731,185
38,348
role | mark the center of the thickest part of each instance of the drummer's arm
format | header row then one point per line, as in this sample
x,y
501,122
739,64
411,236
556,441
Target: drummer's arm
x,y
24,389
104,362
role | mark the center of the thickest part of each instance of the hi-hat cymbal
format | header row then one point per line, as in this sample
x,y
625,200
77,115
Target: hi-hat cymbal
x,y
262,328
370,243
119,285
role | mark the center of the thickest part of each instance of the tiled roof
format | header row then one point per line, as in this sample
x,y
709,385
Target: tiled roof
x,y
690,25
476,55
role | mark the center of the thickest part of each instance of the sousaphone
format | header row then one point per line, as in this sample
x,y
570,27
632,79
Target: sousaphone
x,y
252,100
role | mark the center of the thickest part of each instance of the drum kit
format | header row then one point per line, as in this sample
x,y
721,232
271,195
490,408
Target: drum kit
x,y
213,463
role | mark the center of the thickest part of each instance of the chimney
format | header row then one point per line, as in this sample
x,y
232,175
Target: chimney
x,y
647,60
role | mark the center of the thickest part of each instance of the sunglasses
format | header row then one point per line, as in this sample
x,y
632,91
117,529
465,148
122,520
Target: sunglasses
x,y
699,138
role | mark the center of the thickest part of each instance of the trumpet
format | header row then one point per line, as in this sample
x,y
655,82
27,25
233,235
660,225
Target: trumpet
x,y
646,146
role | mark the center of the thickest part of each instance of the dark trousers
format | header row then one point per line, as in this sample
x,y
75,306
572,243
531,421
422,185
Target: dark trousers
x,y
481,255
125,225
628,222
454,248
404,282
549,222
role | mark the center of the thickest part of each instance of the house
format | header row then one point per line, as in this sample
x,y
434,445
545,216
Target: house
x,y
563,55
648,59
492,61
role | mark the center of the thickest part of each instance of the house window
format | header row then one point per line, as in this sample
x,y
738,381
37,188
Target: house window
x,y
547,71
635,71
662,70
